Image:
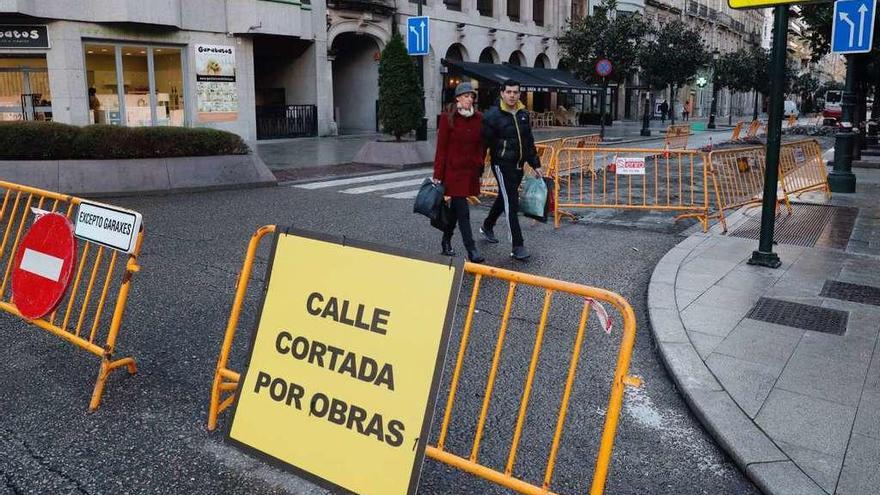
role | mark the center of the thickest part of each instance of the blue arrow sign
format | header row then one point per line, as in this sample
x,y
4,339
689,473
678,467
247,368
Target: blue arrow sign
x,y
853,28
418,35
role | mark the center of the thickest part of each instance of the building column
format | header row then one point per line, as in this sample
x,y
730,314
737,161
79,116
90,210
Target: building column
x,y
499,10
525,13
469,7
67,75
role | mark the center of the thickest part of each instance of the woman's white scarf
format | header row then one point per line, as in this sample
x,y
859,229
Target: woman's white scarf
x,y
466,113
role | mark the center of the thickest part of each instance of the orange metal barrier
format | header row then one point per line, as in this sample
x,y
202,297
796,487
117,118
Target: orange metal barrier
x,y
754,128
792,120
488,183
585,141
586,298
677,181
802,169
737,130
677,136
78,317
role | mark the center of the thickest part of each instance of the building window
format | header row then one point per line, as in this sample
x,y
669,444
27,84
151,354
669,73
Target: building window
x,y
513,10
453,4
538,12
135,85
485,7
24,88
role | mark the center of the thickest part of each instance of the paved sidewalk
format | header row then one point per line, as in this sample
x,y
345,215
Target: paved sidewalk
x,y
796,407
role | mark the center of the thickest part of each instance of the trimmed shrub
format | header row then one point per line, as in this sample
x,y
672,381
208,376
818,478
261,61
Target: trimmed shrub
x,y
53,141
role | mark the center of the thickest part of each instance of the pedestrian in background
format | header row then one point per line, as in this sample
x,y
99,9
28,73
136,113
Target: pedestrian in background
x,y
508,135
458,165
664,109
686,113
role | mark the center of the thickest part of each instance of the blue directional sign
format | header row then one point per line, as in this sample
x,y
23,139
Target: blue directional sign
x,y
418,33
853,27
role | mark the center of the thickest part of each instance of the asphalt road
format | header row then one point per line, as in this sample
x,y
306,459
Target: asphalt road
x,y
149,435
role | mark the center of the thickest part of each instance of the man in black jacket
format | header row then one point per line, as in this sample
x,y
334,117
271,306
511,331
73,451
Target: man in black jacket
x,y
508,135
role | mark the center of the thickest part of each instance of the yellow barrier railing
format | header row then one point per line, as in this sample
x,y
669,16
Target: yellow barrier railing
x,y
585,141
754,128
802,169
589,300
739,177
100,275
677,136
670,180
488,183
737,131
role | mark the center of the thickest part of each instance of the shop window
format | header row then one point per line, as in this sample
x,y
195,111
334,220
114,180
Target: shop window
x,y
135,85
24,89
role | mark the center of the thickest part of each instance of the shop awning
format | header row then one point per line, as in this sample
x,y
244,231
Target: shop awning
x,y
561,81
531,78
498,73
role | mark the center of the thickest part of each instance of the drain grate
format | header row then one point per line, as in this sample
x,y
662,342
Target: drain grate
x,y
791,314
864,294
808,225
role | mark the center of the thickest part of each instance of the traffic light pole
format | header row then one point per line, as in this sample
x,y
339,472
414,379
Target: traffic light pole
x,y
765,256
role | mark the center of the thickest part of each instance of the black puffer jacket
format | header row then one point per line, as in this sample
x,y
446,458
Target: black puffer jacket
x,y
508,135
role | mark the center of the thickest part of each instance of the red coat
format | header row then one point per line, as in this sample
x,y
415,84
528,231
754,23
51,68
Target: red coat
x,y
458,162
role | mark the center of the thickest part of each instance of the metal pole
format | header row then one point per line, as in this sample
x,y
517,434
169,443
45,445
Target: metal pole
x,y
602,110
765,256
841,179
422,132
714,109
646,120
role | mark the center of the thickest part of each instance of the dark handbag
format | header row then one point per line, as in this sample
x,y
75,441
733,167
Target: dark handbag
x,y
428,200
549,203
445,219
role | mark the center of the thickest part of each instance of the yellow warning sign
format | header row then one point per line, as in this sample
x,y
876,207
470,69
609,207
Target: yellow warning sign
x,y
345,362
760,4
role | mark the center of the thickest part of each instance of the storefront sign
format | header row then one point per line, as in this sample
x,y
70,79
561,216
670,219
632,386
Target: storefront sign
x,y
24,36
345,362
216,90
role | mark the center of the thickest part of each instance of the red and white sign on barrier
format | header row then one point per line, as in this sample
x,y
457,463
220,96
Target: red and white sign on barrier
x,y
43,266
630,166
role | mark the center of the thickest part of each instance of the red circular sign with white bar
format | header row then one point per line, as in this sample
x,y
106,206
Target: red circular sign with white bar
x,y
43,265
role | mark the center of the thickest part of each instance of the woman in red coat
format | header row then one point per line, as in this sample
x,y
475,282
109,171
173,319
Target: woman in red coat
x,y
458,164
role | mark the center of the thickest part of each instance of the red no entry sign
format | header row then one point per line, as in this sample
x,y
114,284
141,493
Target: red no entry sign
x,y
43,265
604,67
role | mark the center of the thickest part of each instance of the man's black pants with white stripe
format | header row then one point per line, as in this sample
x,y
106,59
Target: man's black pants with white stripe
x,y
509,179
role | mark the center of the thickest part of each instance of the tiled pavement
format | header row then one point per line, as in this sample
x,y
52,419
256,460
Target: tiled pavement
x,y
797,409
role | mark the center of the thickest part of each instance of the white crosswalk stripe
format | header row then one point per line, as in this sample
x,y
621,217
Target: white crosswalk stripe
x,y
383,184
360,180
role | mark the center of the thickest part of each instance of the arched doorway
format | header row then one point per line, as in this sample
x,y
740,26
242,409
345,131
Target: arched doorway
x,y
355,82
489,56
542,61
455,53
517,58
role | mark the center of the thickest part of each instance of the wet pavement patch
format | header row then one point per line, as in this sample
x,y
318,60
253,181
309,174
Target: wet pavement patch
x,y
804,316
864,294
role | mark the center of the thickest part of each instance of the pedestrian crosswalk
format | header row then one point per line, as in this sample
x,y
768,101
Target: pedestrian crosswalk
x,y
388,185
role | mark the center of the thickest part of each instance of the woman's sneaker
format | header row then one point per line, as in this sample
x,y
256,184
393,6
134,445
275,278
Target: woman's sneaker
x,y
520,253
488,235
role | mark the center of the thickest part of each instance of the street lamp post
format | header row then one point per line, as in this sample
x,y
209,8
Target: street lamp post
x,y
714,109
646,120
841,179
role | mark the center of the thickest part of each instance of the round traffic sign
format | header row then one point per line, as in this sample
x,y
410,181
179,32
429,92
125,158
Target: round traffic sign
x,y
43,265
604,67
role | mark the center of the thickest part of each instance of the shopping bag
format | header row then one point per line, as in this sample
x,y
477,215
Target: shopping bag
x,y
428,200
533,202
550,205
445,219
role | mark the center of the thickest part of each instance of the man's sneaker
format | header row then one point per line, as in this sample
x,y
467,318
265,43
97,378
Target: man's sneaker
x,y
520,253
488,235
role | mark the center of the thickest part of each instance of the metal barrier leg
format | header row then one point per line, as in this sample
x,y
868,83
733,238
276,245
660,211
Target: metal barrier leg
x,y
221,371
107,367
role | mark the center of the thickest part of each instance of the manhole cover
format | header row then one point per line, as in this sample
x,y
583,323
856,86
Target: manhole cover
x,y
799,315
864,294
808,225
